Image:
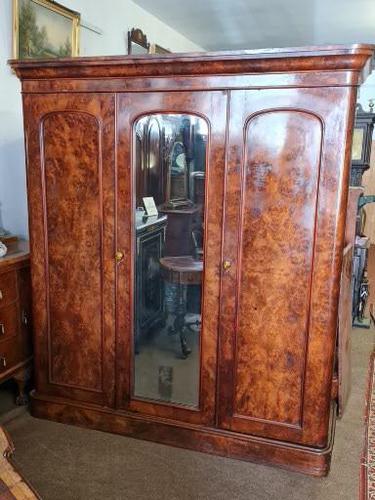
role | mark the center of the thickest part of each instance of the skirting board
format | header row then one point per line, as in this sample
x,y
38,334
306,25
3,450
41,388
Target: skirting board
x,y
311,461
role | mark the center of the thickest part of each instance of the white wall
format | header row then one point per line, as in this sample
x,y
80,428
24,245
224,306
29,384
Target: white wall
x,y
367,91
114,18
13,209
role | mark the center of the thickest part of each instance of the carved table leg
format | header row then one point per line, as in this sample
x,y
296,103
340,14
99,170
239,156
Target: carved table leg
x,y
179,322
21,378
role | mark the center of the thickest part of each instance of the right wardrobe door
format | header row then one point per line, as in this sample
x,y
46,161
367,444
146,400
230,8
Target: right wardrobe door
x,y
286,191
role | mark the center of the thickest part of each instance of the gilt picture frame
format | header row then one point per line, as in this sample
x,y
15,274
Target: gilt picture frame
x,y
44,29
157,49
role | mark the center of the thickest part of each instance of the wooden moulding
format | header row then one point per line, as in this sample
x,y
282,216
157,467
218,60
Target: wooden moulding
x,y
332,57
293,457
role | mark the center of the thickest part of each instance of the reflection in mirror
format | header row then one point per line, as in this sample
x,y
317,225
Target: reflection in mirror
x,y
170,164
357,146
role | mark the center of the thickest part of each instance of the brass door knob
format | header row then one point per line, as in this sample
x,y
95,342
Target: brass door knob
x,y
227,264
119,256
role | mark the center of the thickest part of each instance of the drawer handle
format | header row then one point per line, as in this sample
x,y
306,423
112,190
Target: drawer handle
x,y
1,295
24,318
3,362
2,329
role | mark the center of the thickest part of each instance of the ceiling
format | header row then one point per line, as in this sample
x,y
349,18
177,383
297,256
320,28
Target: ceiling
x,y
254,24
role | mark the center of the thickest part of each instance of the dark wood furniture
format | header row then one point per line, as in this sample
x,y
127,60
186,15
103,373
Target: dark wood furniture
x,y
354,256
150,235
277,176
181,223
15,317
362,141
342,373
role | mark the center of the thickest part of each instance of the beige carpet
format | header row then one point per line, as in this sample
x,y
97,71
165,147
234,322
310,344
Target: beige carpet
x,y
64,462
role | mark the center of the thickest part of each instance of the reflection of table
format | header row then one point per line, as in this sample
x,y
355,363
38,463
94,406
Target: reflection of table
x,y
182,271
181,223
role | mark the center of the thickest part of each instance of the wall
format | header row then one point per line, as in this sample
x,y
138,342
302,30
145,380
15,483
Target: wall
x,y
13,210
114,18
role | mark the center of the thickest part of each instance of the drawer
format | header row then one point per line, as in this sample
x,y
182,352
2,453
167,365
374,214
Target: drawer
x,y
13,351
9,323
8,288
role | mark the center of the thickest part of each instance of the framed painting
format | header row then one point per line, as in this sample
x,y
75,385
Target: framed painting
x,y
43,29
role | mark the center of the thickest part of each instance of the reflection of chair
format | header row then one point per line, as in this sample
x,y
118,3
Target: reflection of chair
x,y
182,271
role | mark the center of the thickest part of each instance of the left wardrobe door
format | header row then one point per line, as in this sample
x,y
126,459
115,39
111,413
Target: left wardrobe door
x,y
71,184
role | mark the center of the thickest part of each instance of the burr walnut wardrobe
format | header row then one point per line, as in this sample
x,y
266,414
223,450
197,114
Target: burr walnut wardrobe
x,y
187,220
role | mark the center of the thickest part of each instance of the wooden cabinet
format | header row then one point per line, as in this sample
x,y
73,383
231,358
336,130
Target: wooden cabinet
x,y
15,317
180,225
272,132
150,248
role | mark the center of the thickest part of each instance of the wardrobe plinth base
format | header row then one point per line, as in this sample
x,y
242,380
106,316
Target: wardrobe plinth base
x,y
311,461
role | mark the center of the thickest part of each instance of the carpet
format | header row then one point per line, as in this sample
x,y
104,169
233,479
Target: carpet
x,y
12,486
64,462
367,471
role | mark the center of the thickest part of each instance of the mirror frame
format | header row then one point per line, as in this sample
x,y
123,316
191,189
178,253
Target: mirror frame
x,y
137,36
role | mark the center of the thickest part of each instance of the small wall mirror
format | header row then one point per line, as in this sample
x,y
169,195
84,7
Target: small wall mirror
x,y
137,42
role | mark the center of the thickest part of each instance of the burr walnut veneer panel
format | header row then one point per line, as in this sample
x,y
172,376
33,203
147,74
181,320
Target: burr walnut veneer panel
x,y
72,169
276,250
284,208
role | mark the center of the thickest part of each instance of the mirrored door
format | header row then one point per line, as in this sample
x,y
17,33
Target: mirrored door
x,y
169,167
167,347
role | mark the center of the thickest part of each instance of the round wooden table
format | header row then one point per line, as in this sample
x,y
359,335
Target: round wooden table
x,y
182,271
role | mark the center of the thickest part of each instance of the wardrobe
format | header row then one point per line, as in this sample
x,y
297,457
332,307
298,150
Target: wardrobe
x,y
234,168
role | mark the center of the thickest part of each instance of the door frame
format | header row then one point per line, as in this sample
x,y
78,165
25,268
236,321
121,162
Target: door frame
x,y
211,106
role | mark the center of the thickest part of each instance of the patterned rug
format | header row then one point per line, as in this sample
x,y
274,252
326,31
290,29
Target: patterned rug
x,y
12,486
367,472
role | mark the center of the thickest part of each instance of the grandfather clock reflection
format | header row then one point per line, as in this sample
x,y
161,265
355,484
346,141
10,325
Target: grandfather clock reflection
x,y
170,163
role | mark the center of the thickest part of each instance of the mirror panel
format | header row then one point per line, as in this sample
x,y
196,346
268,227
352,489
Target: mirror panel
x,y
170,152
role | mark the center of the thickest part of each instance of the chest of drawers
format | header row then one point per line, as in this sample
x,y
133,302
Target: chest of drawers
x,y
15,317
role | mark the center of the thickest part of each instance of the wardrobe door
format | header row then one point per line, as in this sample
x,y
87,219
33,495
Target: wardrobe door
x,y
70,172
286,191
168,301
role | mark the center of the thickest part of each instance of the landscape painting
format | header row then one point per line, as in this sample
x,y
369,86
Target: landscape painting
x,y
44,29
